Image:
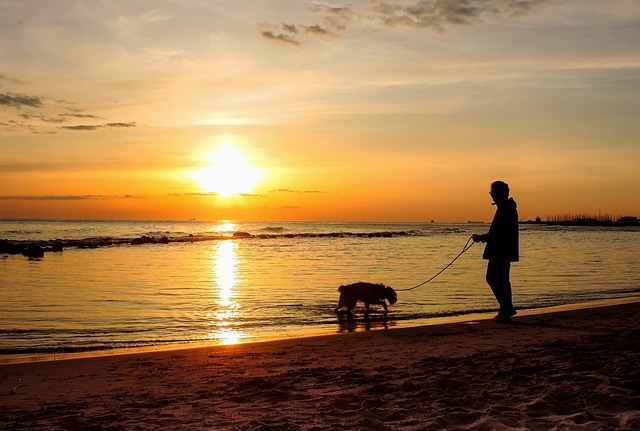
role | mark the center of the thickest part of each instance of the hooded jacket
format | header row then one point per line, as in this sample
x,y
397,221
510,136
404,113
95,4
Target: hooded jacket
x,y
502,239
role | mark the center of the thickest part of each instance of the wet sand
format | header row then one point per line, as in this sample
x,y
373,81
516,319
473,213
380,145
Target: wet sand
x,y
568,368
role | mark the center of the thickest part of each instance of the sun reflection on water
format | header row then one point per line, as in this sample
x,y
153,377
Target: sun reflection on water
x,y
224,228
227,310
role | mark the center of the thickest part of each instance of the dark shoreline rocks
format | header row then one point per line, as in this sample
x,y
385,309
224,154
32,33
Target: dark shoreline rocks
x,y
33,250
30,249
150,240
37,249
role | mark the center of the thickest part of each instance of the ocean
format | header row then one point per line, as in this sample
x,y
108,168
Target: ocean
x,y
228,282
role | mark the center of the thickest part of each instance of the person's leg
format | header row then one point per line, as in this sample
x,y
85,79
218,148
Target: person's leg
x,y
498,279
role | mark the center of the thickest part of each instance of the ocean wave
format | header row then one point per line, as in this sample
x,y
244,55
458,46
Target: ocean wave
x,y
75,348
274,229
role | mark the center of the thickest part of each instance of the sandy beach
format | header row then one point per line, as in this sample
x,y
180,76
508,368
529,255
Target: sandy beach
x,y
561,369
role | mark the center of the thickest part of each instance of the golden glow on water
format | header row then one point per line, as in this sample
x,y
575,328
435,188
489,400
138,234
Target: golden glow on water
x,y
225,227
227,312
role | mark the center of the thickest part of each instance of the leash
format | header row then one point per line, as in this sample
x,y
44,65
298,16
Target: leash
x,y
466,247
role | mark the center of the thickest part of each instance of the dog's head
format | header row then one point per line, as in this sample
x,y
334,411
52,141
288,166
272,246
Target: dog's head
x,y
390,295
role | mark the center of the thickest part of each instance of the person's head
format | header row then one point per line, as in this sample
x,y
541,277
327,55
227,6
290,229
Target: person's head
x,y
499,190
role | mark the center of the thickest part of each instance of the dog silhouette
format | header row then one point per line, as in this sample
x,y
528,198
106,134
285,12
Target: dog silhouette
x,y
367,293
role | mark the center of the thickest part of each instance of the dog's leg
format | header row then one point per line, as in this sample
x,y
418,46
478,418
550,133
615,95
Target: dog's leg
x,y
350,306
366,311
340,305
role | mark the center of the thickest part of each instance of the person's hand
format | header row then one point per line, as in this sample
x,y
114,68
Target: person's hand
x,y
476,238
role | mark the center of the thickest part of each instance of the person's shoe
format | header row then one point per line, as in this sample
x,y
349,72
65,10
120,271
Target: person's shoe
x,y
502,318
512,312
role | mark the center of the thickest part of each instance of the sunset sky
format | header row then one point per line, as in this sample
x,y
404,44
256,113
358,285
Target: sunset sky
x,y
385,110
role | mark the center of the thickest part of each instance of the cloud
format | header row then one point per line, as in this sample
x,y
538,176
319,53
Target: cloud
x,y
67,197
290,28
317,30
334,21
203,194
129,124
44,118
83,127
290,32
13,100
296,191
62,118
439,14
424,14
280,37
214,194
334,17
11,80
15,125
91,127
78,115
35,110
52,119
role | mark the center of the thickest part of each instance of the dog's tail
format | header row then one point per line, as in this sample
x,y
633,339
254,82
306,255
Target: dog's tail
x,y
341,288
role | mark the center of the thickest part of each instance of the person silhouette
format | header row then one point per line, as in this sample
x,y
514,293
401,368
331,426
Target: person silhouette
x,y
502,248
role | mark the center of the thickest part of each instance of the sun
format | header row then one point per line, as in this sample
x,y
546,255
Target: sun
x,y
228,174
